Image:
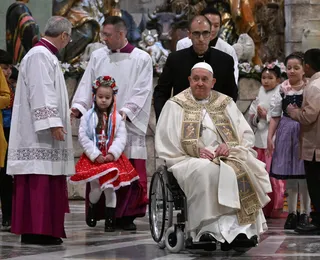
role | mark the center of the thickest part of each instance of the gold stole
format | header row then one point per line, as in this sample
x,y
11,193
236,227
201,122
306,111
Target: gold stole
x,y
190,131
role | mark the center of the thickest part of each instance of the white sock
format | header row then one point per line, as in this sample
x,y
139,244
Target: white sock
x,y
305,200
292,195
95,192
111,198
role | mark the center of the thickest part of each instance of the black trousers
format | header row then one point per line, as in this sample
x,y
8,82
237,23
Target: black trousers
x,y
6,186
312,169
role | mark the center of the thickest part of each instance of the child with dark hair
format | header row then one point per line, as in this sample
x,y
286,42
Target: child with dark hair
x,y
259,118
286,164
309,118
103,136
6,184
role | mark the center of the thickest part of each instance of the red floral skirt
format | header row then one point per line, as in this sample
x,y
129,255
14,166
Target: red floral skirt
x,y
114,175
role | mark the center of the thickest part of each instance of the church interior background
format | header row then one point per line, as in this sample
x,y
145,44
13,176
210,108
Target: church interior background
x,y
282,26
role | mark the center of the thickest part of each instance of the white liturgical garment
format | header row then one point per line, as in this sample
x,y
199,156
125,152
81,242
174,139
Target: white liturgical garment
x,y
41,102
133,73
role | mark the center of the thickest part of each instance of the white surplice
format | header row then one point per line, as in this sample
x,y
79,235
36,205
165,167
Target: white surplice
x,y
41,102
211,189
133,73
221,45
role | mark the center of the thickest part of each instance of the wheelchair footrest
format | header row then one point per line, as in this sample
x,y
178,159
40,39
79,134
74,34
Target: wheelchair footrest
x,y
204,245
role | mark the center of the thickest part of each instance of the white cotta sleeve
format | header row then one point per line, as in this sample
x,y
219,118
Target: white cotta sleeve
x,y
120,139
276,105
82,99
168,134
137,107
42,93
87,143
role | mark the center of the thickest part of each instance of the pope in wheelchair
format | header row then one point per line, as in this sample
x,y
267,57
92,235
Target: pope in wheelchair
x,y
207,146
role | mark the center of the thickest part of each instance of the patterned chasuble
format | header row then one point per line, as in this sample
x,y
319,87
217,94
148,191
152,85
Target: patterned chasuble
x,y
190,132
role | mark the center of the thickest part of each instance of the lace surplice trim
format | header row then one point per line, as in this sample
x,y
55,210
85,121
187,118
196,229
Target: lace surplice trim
x,y
134,108
45,113
136,140
41,154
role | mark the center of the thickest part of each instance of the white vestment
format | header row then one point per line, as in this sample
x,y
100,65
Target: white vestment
x,y
133,73
212,189
41,102
221,45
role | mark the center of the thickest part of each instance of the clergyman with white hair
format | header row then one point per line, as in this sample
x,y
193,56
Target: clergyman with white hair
x,y
207,145
40,154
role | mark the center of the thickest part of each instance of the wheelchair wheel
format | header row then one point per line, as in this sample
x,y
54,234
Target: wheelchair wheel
x,y
174,240
157,206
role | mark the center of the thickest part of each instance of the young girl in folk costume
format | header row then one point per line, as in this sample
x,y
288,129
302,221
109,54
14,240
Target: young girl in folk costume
x,y
259,118
102,134
286,164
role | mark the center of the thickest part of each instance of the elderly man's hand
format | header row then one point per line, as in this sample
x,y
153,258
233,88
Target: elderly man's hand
x,y
206,154
222,150
58,133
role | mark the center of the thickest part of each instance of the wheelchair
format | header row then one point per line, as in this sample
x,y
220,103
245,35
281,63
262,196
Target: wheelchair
x,y
165,196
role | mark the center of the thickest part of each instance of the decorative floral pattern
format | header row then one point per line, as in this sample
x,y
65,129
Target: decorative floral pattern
x,y
106,81
134,108
45,112
271,65
40,154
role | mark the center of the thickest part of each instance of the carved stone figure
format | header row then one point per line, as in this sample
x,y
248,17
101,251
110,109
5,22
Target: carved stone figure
x,y
245,48
249,74
151,45
86,17
85,30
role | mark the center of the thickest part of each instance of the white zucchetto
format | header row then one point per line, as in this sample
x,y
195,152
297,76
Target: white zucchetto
x,y
203,65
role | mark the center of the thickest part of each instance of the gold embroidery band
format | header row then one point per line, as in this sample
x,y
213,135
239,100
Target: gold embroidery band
x,y
216,108
249,201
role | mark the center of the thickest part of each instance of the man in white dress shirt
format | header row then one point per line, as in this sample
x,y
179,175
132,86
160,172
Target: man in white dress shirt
x,y
214,17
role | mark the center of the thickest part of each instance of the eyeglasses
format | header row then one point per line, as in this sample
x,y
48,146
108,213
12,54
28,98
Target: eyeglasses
x,y
105,35
69,35
205,34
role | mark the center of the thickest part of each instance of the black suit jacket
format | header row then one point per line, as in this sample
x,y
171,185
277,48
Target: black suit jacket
x,y
178,67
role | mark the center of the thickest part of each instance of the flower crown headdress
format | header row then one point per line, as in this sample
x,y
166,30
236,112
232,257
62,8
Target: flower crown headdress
x,y
105,81
272,65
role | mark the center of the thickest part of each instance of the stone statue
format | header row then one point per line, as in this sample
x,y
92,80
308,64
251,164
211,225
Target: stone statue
x,y
22,31
245,48
85,24
249,74
150,44
243,16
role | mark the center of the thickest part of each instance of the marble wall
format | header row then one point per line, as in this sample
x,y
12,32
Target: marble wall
x,y
300,15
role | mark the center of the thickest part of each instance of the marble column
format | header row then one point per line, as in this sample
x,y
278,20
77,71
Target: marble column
x,y
300,15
